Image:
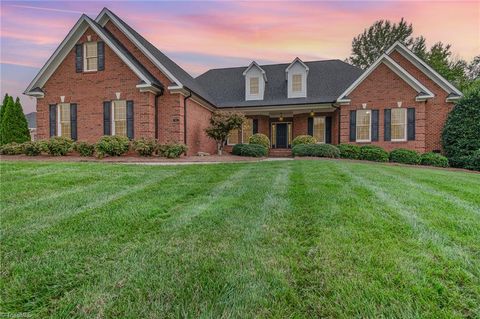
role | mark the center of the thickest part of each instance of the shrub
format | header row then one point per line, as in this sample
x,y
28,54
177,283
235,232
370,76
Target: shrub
x,y
32,148
404,156
349,151
112,146
43,144
11,149
259,139
474,161
252,150
84,149
172,150
317,150
304,139
59,146
433,159
144,146
373,153
461,134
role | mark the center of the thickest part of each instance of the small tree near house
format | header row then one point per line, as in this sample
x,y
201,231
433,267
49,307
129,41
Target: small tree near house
x,y
221,124
14,126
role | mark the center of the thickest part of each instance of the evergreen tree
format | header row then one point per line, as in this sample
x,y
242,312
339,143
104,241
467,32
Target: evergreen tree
x,y
14,127
2,109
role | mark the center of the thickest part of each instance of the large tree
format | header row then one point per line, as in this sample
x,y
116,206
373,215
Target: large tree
x,y
221,124
14,127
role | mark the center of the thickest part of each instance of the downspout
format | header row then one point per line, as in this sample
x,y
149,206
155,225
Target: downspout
x,y
156,115
339,122
185,116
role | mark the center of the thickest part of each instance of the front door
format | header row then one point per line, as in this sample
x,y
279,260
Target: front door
x,y
282,141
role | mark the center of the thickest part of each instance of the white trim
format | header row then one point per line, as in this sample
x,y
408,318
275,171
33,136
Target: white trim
x,y
424,67
100,19
406,125
252,64
369,127
85,57
324,128
395,67
297,59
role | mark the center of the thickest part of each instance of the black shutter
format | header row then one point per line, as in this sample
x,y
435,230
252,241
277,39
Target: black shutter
x,y
353,126
374,125
107,118
255,126
53,119
387,126
411,124
310,126
101,55
79,58
328,130
73,121
130,119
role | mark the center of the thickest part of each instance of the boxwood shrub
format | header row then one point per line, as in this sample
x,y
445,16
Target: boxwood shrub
x,y
32,148
144,146
304,139
401,155
84,149
59,146
112,146
171,150
350,151
252,150
373,153
12,149
260,139
317,150
433,159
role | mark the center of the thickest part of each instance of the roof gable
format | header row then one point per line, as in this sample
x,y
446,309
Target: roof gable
x,y
255,65
65,47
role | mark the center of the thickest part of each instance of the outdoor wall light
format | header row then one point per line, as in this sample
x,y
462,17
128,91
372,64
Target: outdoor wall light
x,y
312,113
399,104
281,117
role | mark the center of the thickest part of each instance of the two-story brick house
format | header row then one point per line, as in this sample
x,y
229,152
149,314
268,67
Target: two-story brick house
x,y
106,79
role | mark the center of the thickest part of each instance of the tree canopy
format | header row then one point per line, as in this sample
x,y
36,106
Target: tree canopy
x,y
221,124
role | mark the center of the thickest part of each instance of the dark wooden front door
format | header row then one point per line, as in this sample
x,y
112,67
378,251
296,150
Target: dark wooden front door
x,y
282,141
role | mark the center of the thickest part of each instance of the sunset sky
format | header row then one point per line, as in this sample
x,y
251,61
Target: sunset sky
x,y
203,35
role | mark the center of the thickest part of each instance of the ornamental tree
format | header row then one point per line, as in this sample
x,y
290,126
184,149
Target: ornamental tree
x,y
14,126
221,124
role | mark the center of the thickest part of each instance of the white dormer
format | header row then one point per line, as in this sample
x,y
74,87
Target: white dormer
x,y
255,79
297,73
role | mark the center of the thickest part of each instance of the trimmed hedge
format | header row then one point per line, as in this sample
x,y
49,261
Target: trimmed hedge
x,y
85,149
252,150
12,149
316,150
350,151
433,159
171,150
373,153
404,156
112,146
259,139
304,139
59,146
32,148
144,146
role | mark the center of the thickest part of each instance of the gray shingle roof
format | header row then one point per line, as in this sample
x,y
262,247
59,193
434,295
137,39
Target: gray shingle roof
x,y
325,82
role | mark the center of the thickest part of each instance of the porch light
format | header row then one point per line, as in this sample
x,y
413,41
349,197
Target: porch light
x,y
281,117
399,104
312,113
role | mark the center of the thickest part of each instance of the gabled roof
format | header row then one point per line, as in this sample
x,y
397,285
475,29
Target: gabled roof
x,y
255,64
326,80
69,42
424,93
173,71
426,69
297,59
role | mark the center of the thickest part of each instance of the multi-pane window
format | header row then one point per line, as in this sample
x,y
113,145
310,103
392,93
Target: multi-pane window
x,y
247,130
91,56
64,123
119,126
297,83
399,124
364,118
233,137
254,86
319,128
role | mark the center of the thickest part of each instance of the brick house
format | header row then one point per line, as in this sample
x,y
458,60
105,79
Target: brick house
x,y
106,79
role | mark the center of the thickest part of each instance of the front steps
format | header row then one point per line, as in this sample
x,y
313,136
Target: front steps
x,y
280,152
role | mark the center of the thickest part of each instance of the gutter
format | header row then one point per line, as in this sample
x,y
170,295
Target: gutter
x,y
185,116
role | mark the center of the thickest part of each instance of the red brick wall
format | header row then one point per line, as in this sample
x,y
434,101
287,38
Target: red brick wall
x,y
300,124
89,90
197,121
382,89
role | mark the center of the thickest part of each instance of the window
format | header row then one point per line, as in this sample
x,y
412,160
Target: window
x,y
399,124
64,124
319,128
233,137
254,86
364,118
247,130
91,56
119,116
297,83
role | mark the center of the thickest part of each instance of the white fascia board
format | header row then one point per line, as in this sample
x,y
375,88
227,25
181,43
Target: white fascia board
x,y
103,18
424,67
252,64
67,45
279,108
395,67
297,59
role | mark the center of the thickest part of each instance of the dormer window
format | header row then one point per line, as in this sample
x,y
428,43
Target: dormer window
x,y
255,80
254,85
90,56
296,74
296,83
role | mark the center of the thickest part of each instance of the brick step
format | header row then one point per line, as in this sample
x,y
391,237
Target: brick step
x,y
280,152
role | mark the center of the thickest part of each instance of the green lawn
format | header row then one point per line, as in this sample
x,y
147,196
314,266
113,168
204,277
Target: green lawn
x,y
300,239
